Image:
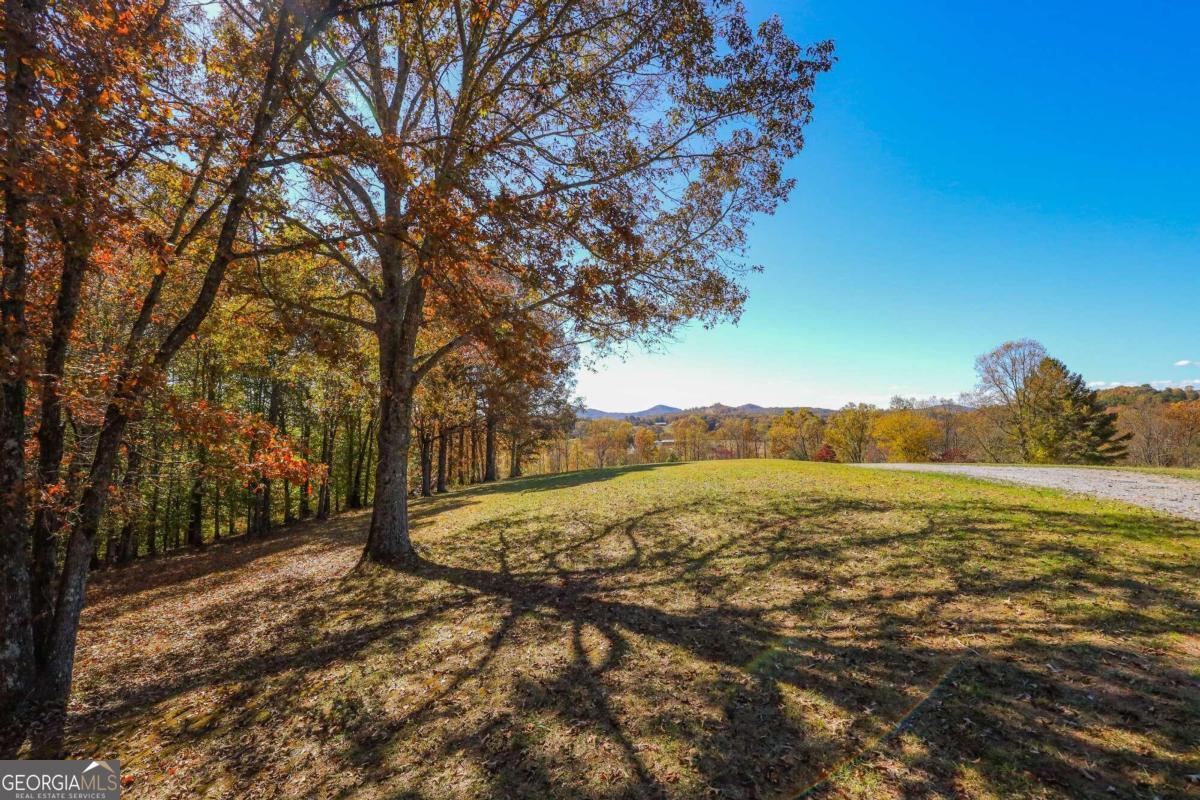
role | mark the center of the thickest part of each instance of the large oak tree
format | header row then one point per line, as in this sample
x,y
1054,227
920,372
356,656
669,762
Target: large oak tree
x,y
599,158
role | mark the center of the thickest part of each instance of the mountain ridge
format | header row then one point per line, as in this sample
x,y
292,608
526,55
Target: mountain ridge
x,y
716,409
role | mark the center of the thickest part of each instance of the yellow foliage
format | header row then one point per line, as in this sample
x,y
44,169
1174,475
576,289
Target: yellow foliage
x,y
907,435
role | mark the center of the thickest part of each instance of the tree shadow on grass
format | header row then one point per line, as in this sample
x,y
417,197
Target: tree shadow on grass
x,y
561,480
721,646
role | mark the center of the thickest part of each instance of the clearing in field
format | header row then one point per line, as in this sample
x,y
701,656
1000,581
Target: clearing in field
x,y
725,629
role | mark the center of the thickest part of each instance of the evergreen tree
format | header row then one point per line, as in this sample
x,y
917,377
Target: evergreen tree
x,y
1065,422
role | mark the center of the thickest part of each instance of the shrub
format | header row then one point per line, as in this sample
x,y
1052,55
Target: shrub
x,y
826,453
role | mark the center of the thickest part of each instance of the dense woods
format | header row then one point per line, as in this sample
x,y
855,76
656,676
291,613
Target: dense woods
x,y
264,261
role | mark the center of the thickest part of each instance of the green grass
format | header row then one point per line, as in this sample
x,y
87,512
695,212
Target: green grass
x,y
1174,472
1188,473
721,629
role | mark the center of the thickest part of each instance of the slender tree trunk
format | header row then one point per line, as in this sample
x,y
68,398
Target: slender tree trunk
x,y
288,516
152,531
354,498
515,458
489,446
216,512
60,662
195,528
306,487
353,425
324,501
462,436
366,491
129,485
262,516
426,457
51,434
474,466
443,443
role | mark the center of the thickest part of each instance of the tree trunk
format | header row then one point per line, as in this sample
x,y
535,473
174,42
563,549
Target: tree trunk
x,y
355,498
352,427
195,528
515,458
489,447
131,481
216,512
152,531
426,440
262,514
388,537
327,435
462,438
399,318
474,455
55,683
17,655
288,516
443,443
306,487
366,490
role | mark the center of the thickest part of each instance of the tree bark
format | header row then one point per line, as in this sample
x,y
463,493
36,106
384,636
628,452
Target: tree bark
x,y
443,445
388,537
195,528
129,484
515,458
327,439
399,317
353,425
17,655
426,458
262,514
306,487
489,447
354,498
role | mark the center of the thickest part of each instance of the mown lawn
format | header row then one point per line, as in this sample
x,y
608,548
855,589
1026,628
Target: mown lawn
x,y
1174,472
722,629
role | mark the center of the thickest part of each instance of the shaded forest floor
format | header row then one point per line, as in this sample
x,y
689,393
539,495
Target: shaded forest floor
x,y
722,629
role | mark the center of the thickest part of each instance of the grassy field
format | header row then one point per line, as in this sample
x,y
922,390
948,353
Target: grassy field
x,y
1174,472
1189,473
722,629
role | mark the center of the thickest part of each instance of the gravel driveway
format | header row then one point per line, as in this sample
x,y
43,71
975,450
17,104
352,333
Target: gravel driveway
x,y
1171,495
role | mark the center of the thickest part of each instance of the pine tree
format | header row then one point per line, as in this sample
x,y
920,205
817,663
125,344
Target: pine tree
x,y
1065,422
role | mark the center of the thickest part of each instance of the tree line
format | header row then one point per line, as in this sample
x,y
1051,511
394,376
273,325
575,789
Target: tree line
x,y
1027,407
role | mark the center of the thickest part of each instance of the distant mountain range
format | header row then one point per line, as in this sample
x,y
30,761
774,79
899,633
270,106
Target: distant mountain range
x,y
715,410
654,411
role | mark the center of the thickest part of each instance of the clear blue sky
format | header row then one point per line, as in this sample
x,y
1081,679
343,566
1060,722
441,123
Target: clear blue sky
x,y
974,173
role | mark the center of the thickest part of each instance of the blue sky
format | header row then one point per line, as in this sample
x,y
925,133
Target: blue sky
x,y
974,173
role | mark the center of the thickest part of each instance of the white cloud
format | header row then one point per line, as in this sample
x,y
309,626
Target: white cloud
x,y
1183,362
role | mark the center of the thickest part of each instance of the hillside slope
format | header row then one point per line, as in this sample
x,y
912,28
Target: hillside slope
x,y
733,629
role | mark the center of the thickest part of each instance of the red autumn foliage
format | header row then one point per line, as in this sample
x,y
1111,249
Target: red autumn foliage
x,y
826,453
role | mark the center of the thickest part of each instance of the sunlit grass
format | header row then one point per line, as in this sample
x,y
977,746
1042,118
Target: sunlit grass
x,y
730,629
